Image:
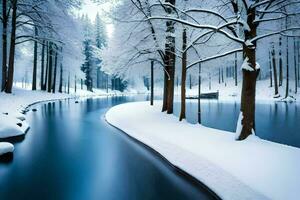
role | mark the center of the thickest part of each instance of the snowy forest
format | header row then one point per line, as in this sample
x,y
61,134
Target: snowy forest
x,y
231,67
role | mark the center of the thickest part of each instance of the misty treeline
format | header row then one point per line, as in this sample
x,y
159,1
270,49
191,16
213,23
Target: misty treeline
x,y
55,46
206,39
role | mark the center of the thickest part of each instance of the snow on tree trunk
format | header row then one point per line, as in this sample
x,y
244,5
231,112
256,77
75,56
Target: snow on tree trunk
x,y
250,74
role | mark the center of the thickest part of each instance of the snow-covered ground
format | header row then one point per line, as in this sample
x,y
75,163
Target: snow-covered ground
x,y
13,106
231,92
235,170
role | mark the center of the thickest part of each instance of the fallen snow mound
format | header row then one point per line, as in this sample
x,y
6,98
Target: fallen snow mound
x,y
6,147
235,170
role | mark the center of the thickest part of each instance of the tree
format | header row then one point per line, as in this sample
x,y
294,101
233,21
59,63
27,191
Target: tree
x,y
276,94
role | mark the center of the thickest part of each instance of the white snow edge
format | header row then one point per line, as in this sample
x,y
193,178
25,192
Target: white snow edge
x,y
251,169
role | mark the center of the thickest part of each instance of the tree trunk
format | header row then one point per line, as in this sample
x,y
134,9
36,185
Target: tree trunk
x,y
199,94
75,86
270,70
11,61
280,63
4,44
43,64
275,72
47,68
249,81
152,83
34,60
183,76
295,67
60,79
54,73
69,83
169,62
235,69
50,67
219,75
287,69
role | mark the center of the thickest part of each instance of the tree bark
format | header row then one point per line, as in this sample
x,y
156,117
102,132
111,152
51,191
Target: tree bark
x,y
270,69
275,72
4,44
60,79
280,63
169,62
199,94
42,64
34,71
287,69
50,68
11,61
47,67
295,67
183,76
152,83
54,73
249,81
235,69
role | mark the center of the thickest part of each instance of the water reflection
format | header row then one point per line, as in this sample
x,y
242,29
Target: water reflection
x,y
278,121
71,153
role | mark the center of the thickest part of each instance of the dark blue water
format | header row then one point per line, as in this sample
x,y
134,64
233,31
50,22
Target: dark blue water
x,y
277,121
71,153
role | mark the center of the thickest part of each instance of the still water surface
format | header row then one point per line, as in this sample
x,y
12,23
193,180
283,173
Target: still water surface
x,y
71,153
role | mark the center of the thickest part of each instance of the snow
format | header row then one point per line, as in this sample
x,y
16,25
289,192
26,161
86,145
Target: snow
x,y
249,169
13,121
239,126
246,65
230,92
6,147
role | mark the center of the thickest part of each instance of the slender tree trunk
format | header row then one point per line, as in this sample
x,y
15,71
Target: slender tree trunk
x,y
75,86
11,61
295,67
183,76
34,71
60,79
298,62
55,72
235,69
4,44
190,81
280,63
42,64
199,94
270,69
274,72
50,67
152,83
69,83
209,85
222,75
165,93
249,81
47,67
287,69
219,75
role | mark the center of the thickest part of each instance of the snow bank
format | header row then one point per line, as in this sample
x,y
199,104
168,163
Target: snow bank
x,y
12,121
6,147
250,169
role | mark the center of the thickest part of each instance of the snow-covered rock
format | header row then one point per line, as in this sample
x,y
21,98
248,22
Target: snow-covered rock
x,y
6,147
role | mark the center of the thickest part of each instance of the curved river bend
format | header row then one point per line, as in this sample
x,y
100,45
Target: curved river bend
x,y
71,153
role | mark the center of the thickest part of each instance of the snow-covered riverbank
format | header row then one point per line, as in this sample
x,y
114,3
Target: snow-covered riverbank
x,y
250,169
13,106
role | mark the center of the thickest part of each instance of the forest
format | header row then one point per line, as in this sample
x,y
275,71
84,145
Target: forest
x,y
229,67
